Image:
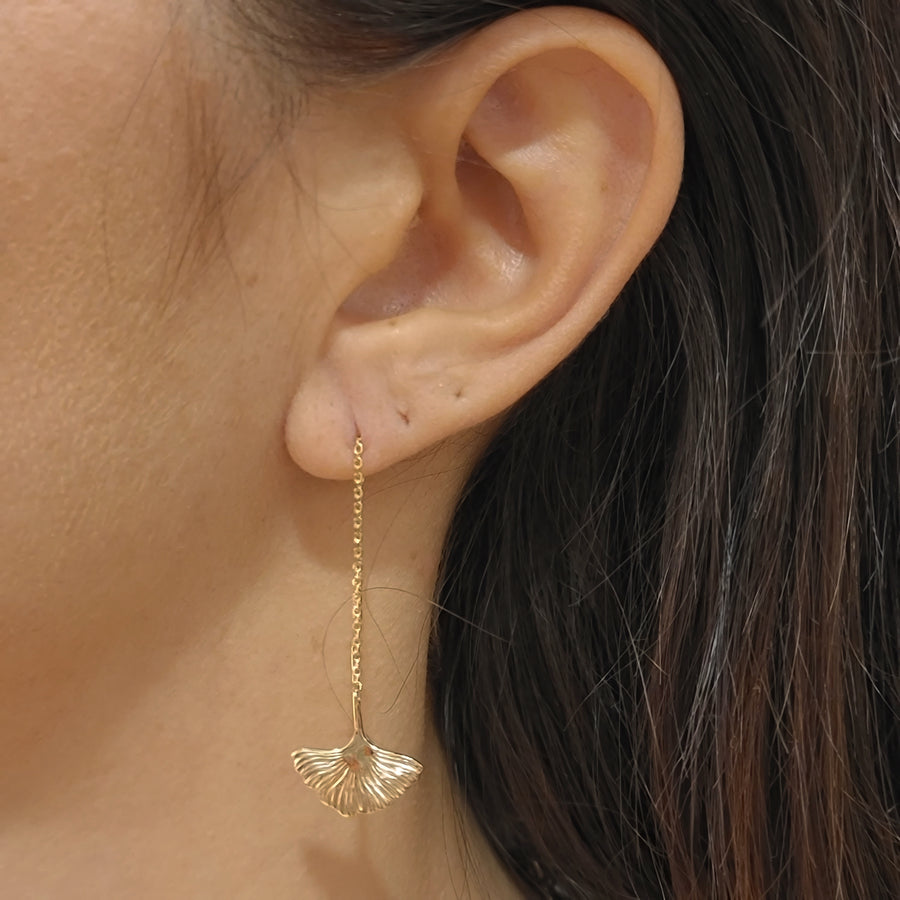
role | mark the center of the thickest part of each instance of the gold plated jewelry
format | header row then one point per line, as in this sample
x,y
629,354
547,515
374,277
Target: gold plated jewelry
x,y
358,777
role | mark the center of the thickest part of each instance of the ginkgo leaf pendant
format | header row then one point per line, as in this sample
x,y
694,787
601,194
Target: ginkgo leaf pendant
x,y
358,777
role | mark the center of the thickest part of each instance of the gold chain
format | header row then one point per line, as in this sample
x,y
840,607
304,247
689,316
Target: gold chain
x,y
359,777
357,571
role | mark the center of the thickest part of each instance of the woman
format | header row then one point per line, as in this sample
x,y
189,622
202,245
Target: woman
x,y
610,295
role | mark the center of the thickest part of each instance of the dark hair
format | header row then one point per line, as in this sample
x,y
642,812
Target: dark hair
x,y
668,658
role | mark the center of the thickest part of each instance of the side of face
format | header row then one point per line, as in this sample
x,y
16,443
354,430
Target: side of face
x,y
202,300
149,338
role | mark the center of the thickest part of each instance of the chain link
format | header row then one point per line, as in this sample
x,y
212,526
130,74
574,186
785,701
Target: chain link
x,y
358,480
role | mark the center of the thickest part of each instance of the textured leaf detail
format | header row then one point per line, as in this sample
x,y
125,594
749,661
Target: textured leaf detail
x,y
358,777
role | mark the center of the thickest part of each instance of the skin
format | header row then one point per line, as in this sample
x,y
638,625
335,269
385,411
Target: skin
x,y
200,304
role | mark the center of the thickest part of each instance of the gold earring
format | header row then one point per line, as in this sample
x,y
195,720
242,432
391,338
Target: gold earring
x,y
358,777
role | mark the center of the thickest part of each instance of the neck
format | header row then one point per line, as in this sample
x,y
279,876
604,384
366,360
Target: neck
x,y
164,767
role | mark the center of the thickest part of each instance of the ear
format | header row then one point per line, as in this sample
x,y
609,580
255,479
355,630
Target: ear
x,y
543,155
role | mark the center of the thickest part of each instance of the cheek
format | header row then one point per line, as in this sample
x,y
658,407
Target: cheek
x,y
78,84
118,417
71,73
87,190
89,158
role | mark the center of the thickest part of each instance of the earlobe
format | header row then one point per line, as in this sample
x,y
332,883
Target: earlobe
x,y
550,149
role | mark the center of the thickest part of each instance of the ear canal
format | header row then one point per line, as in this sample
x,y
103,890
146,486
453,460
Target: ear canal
x,y
407,282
